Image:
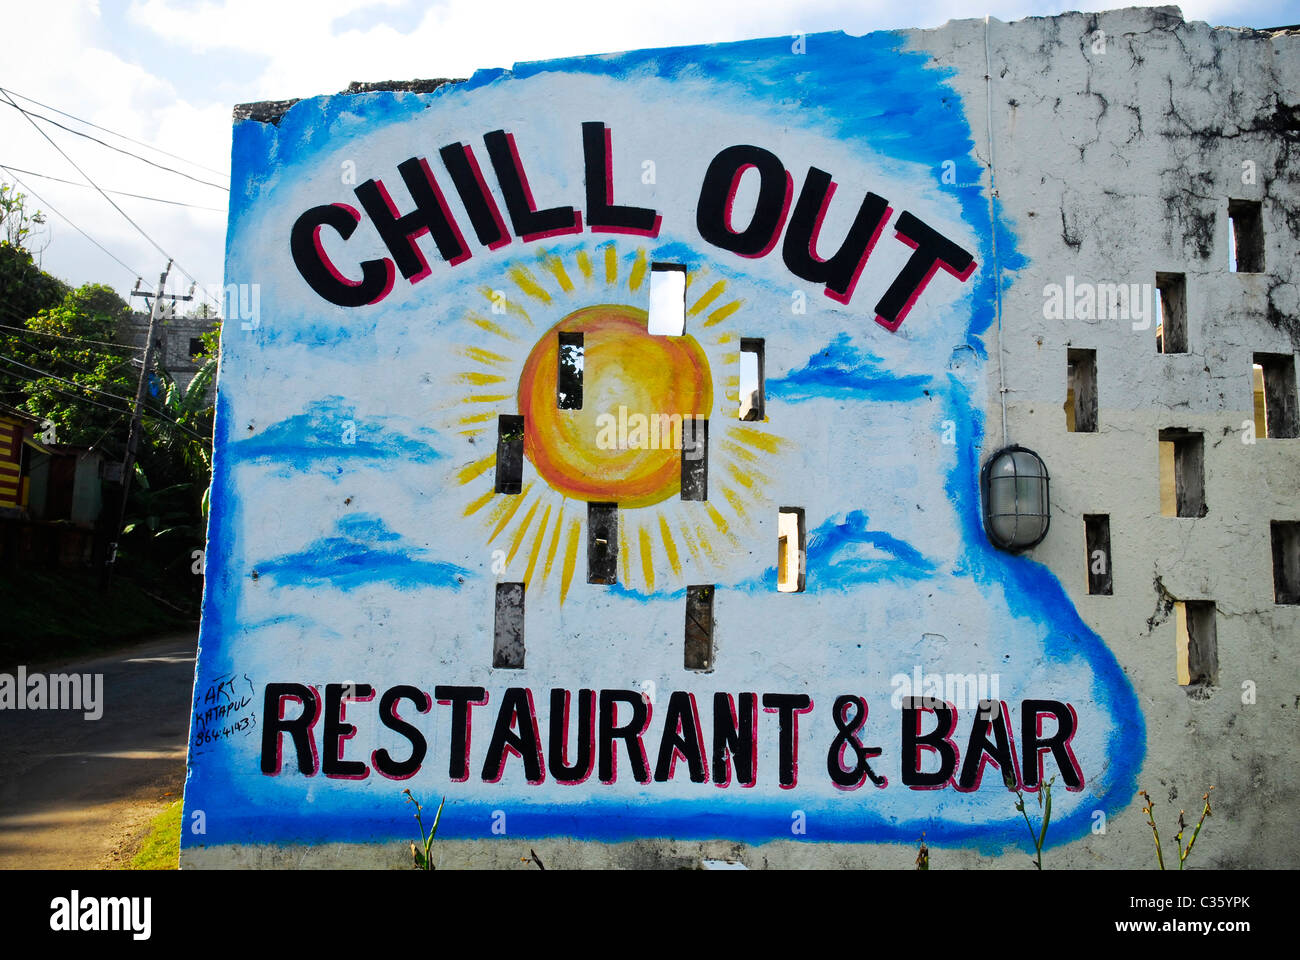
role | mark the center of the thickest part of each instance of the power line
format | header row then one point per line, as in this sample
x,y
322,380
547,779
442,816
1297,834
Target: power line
x,y
71,383
76,366
68,220
189,276
73,396
42,333
156,414
88,123
120,193
160,166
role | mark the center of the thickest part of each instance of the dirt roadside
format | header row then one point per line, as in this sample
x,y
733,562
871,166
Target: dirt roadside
x,y
80,793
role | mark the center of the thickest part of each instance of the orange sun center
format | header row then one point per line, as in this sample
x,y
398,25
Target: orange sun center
x,y
650,377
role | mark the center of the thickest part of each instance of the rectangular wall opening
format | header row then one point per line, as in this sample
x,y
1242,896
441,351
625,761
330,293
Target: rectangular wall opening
x,y
667,300
508,639
1245,236
1275,383
602,543
568,372
1286,561
510,453
791,550
1171,313
1257,385
1197,644
1096,528
699,627
695,458
1081,391
1182,474
752,401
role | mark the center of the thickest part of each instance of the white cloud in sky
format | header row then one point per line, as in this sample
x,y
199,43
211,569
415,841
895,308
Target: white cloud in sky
x,y
168,72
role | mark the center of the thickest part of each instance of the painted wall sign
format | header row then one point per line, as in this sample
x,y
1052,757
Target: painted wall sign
x,y
481,530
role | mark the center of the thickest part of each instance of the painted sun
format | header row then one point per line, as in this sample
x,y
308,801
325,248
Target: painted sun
x,y
665,542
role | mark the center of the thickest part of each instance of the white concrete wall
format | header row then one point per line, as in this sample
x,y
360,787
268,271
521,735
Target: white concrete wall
x,y
1112,166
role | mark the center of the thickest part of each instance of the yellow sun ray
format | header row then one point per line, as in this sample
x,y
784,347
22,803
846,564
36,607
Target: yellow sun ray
x,y
725,337
477,468
501,514
556,266
477,418
670,547
753,480
647,560
584,265
694,275
691,545
486,357
537,545
485,397
720,523
484,323
720,314
500,302
638,270
479,379
708,297
736,450
475,432
611,265
737,502
523,278
555,543
767,442
522,532
478,504
702,533
570,559
731,358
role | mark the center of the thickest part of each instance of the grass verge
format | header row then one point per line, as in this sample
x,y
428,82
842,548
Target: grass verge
x,y
161,849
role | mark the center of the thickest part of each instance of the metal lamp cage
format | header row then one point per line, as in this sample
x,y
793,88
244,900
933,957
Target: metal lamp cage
x,y
1014,487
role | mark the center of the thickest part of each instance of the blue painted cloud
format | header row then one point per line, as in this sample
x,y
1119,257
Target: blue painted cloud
x,y
322,433
844,553
364,551
842,371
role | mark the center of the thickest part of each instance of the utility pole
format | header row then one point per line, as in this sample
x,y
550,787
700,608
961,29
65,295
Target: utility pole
x,y
137,414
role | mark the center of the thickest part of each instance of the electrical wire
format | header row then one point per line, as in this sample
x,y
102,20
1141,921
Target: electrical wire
x,y
54,210
88,123
160,166
42,333
189,276
76,366
144,411
120,193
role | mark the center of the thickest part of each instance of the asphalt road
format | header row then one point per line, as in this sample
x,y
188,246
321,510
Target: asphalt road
x,y
79,793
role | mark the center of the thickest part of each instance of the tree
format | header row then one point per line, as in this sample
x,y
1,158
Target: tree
x,y
15,222
25,289
61,370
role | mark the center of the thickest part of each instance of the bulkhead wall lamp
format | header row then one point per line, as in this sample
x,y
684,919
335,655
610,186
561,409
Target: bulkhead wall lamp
x,y
1013,484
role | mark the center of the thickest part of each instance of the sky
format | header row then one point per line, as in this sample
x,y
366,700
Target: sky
x,y
166,73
